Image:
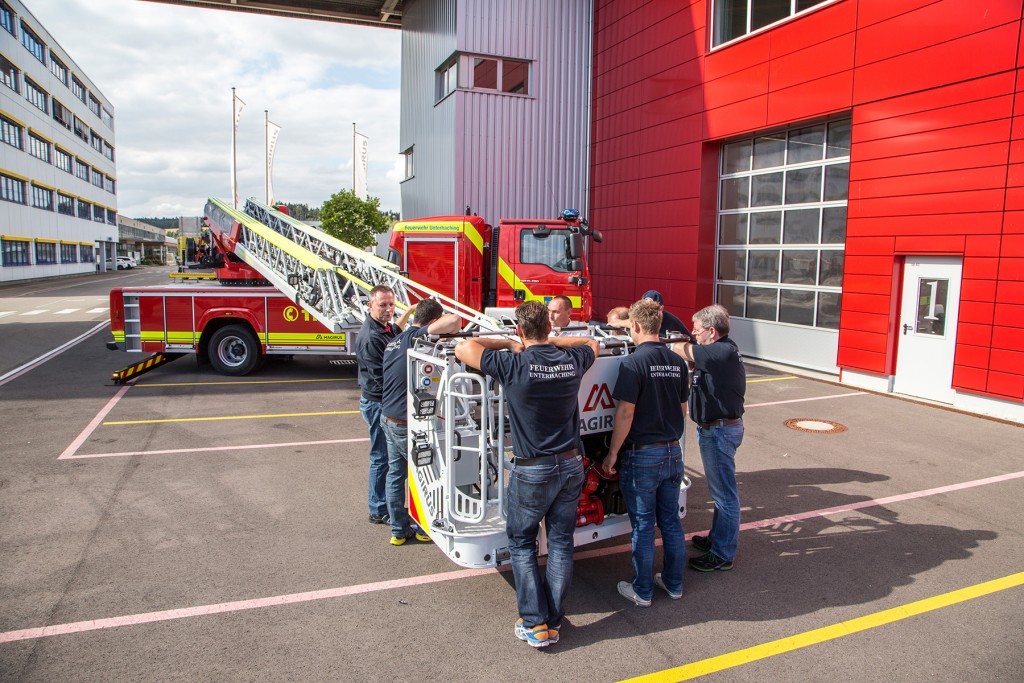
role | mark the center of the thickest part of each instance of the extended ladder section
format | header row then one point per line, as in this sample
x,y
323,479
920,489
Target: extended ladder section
x,y
329,277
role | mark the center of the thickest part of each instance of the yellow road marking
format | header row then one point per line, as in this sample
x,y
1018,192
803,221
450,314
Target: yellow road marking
x,y
231,417
820,635
771,379
258,381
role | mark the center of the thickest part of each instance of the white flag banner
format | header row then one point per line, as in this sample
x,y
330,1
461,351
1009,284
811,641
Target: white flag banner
x,y
238,105
360,163
272,131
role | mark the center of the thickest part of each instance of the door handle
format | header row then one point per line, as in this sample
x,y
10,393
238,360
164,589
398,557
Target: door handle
x,y
907,328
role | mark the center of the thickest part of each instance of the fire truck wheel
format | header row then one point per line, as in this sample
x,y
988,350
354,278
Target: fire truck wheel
x,y
234,350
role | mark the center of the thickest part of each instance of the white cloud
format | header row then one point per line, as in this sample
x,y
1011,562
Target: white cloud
x,y
168,71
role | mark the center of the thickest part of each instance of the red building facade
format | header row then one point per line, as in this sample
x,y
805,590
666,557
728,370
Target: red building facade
x,y
935,92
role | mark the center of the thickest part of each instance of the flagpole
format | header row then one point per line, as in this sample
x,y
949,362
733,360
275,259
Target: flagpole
x,y
266,148
353,157
234,153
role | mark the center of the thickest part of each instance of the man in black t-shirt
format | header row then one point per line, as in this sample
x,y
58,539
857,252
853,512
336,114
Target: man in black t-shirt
x,y
651,391
541,379
429,320
376,332
669,322
716,405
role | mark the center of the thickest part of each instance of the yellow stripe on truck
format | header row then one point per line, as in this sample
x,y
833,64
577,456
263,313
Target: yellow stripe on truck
x,y
465,227
506,273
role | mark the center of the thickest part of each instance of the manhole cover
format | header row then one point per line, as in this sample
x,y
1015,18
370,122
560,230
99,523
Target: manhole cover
x,y
807,424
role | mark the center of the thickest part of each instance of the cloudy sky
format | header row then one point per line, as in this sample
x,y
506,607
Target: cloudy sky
x,y
169,70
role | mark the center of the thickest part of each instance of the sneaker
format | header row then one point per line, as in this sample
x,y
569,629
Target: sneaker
x,y
553,634
660,583
626,591
536,636
709,562
380,519
701,543
411,532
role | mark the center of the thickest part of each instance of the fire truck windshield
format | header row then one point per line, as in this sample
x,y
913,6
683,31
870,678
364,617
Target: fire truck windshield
x,y
549,247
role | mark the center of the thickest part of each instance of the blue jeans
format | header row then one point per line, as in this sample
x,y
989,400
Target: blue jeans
x,y
396,436
718,452
550,493
370,410
650,480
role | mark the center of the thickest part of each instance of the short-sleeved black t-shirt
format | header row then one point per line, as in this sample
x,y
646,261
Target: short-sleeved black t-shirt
x,y
373,337
671,323
719,381
541,386
395,377
656,380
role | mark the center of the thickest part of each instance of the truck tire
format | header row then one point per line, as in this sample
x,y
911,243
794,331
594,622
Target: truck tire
x,y
234,350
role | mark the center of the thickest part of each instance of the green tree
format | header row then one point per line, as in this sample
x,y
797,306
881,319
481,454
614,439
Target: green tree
x,y
303,212
352,219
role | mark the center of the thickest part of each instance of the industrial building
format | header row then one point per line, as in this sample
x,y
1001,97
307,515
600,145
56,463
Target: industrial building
x,y
58,176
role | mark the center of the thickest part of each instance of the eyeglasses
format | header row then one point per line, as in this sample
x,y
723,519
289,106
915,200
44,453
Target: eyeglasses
x,y
694,332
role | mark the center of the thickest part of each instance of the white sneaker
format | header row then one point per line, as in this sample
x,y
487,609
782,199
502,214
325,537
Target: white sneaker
x,y
626,591
660,583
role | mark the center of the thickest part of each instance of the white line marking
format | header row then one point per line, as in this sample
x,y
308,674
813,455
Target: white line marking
x,y
65,311
801,400
72,456
19,371
36,312
101,309
6,313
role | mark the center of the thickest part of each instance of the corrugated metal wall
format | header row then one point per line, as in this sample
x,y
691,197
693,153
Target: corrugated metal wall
x,y
428,39
510,156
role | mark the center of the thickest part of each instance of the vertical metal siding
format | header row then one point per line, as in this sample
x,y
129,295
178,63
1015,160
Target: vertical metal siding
x,y
503,155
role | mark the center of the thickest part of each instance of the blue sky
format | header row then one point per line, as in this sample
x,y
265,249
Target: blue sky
x,y
169,70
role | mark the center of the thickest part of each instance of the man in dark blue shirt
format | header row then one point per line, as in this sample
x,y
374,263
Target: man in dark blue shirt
x,y
374,335
716,405
541,379
651,389
429,320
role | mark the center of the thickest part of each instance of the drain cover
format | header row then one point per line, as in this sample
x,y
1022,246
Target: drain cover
x,y
807,424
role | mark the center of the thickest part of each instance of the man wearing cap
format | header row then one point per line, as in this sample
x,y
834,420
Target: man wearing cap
x,y
669,322
541,379
651,390
430,319
716,405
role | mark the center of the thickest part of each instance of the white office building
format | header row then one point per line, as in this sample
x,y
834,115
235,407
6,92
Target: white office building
x,y
58,179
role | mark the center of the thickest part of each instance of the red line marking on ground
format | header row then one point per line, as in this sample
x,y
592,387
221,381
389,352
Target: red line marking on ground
x,y
211,448
328,593
69,452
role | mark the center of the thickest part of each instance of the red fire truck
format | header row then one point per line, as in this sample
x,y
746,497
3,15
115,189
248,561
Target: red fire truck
x,y
498,268
238,320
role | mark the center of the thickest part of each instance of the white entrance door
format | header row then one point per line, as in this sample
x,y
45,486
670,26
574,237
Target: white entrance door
x,y
927,332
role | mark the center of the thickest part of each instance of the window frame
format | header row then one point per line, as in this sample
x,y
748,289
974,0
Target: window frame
x,y
46,253
713,23
7,17
459,72
12,189
42,197
37,143
10,74
10,128
37,96
15,247
38,48
58,68
59,155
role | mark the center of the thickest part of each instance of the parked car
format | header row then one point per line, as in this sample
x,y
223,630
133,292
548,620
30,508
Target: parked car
x,y
123,263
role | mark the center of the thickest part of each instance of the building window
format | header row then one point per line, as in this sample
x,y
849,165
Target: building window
x,y
111,217
95,141
97,177
732,19
58,68
81,130
65,204
7,18
782,225
99,214
410,165
42,198
109,184
81,170
62,159
46,253
84,209
107,118
78,88
86,253
11,132
32,43
62,114
9,74
108,151
12,189
94,105
38,147
483,73
37,96
68,253
15,252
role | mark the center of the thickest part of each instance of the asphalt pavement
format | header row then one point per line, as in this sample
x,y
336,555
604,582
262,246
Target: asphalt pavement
x,y
198,527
